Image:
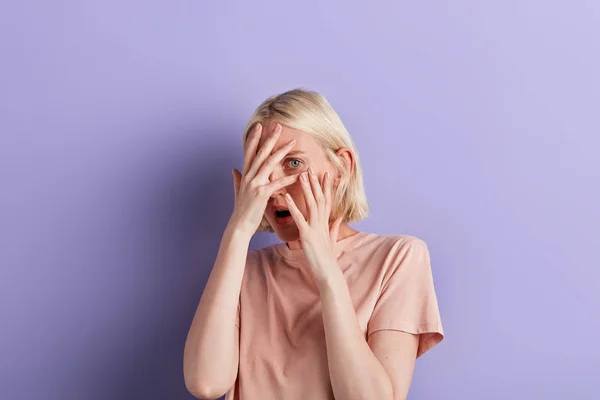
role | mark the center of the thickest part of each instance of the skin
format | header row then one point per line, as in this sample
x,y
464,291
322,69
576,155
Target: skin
x,y
275,158
306,153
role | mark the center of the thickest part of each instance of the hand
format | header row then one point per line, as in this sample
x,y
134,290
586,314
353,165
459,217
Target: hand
x,y
317,237
252,187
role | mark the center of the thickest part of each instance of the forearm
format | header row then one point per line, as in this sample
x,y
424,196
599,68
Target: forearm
x,y
211,352
354,370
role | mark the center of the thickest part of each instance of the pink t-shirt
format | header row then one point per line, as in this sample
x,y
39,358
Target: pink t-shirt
x,y
282,340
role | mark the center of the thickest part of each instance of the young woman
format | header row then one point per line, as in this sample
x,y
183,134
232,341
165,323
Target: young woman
x,y
330,313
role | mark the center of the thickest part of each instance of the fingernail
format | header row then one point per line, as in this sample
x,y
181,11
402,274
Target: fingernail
x,y
287,196
292,142
303,176
311,171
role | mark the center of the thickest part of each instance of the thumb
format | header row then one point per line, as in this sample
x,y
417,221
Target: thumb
x,y
237,178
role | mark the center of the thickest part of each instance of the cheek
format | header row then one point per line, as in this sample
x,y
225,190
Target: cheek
x,y
295,190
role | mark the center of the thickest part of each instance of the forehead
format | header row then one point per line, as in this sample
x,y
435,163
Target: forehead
x,y
304,142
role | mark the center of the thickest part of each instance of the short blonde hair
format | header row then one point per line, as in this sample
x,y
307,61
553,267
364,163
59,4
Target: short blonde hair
x,y
310,112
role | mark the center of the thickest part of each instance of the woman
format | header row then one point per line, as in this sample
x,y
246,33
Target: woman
x,y
329,313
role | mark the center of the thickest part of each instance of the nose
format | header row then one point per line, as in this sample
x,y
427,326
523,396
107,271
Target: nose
x,y
277,174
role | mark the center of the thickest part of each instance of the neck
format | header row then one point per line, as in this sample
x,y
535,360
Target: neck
x,y
344,232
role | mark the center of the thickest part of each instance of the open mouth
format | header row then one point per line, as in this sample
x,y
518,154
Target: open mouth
x,y
282,213
283,217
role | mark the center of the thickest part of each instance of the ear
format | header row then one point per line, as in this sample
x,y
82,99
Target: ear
x,y
347,158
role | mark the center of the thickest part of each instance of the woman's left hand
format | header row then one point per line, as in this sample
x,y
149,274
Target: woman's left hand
x,y
317,237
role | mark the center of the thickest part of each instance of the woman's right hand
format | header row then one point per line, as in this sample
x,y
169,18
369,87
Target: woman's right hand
x,y
252,187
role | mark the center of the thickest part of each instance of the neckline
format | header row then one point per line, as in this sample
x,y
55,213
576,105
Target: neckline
x,y
340,246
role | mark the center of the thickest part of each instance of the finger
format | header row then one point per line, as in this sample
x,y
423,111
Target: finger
x,y
335,230
251,146
327,192
276,157
281,183
316,188
237,179
296,214
264,152
309,199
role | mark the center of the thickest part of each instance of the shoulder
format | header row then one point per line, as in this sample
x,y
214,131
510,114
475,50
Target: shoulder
x,y
259,256
394,243
391,253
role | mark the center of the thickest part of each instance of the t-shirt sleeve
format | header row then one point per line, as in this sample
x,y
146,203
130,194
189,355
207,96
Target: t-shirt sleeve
x,y
407,301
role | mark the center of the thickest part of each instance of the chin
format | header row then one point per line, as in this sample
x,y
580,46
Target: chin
x,y
287,233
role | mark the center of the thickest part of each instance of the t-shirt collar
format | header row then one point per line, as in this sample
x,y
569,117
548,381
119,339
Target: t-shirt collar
x,y
340,247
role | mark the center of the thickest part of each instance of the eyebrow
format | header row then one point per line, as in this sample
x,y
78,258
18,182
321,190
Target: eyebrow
x,y
295,153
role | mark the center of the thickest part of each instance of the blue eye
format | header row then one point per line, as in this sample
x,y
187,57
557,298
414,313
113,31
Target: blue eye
x,y
294,162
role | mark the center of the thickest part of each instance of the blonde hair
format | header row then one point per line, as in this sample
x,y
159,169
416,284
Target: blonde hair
x,y
310,112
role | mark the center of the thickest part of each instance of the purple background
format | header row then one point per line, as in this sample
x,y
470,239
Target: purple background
x,y
478,124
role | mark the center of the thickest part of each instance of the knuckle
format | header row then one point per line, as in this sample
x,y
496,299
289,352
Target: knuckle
x,y
262,190
255,187
261,153
269,164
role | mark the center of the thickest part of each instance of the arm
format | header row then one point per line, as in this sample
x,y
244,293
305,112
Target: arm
x,y
211,353
397,353
380,369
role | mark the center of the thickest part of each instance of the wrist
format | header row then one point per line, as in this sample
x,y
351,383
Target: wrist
x,y
330,283
327,273
238,231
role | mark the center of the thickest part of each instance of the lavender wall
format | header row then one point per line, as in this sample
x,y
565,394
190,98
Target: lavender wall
x,y
477,122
